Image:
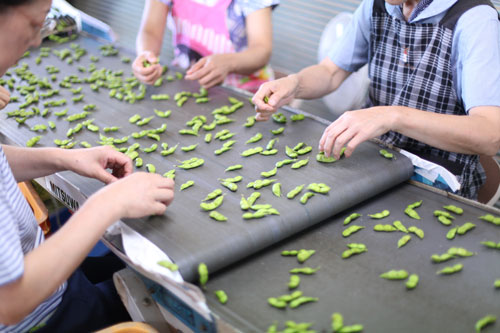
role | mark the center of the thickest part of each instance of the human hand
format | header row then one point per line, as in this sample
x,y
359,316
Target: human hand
x,y
93,162
273,95
137,195
4,97
353,128
209,71
149,74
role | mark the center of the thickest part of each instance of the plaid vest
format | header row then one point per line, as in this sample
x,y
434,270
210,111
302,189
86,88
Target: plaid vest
x,y
410,66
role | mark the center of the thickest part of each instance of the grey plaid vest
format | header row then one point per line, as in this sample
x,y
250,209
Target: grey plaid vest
x,y
410,66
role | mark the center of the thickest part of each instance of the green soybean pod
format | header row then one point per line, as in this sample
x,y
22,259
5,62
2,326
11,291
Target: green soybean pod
x,y
294,281
443,213
444,220
138,162
253,197
273,301
151,168
252,151
485,321
208,137
395,275
278,131
352,329
300,164
384,227
134,118
320,157
231,186
189,148
412,213
217,216
304,150
441,258
454,209
491,244
221,296
269,173
169,265
276,189
352,229
400,226
270,144
257,137
403,240
33,141
460,251
273,328
85,144
380,215
212,205
303,255
351,218
290,152
496,284
289,252
306,196
302,300
417,231
212,195
187,184
234,167
269,152
337,322
386,154
465,228
293,193
451,269
250,121
412,281
279,164
297,117
203,274
304,270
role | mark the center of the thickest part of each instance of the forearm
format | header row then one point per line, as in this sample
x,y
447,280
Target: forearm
x,y
249,61
319,80
147,41
476,133
49,265
152,28
30,163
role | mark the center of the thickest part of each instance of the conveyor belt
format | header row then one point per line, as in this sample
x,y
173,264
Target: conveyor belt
x,y
353,286
185,232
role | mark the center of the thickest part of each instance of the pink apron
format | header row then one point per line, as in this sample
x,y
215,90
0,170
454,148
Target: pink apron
x,y
203,28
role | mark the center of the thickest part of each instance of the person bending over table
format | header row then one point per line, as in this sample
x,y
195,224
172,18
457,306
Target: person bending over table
x,y
42,287
434,68
218,41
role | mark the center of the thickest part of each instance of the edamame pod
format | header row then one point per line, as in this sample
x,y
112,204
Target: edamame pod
x,y
234,167
485,321
412,281
352,229
276,189
451,233
217,216
187,184
403,240
306,196
293,193
454,209
169,265
417,231
302,300
257,137
207,206
465,228
351,218
269,173
203,274
303,255
400,226
304,270
294,281
151,168
380,215
395,275
221,296
384,227
451,269
273,301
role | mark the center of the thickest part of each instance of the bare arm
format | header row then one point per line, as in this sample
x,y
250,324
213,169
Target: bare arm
x,y
47,266
476,133
149,40
150,35
311,82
